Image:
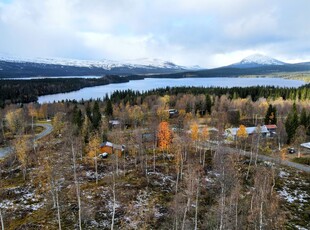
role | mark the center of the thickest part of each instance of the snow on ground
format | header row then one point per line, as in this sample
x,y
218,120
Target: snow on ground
x,y
21,199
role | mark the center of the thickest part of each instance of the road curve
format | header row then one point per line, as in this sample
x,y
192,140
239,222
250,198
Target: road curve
x,y
297,166
48,128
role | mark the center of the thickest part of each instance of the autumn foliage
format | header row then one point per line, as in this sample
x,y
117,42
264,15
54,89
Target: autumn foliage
x,y
164,136
242,133
195,132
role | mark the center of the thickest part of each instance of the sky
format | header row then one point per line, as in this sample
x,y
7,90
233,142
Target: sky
x,y
208,33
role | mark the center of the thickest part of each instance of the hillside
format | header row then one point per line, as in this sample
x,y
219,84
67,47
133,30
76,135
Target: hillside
x,y
23,67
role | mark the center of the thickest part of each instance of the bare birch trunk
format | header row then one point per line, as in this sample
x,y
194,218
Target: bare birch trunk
x,y
114,201
77,186
185,212
1,220
154,159
222,200
58,210
196,208
96,168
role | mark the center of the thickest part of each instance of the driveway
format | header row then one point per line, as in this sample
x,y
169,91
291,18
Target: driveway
x,y
48,128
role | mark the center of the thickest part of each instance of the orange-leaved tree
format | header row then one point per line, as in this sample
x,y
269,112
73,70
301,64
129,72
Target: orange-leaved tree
x,y
164,136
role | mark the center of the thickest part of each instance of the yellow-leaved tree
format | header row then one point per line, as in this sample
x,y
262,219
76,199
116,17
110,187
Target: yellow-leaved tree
x,y
242,135
195,134
205,138
93,150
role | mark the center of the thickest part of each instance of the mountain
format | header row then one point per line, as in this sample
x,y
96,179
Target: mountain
x,y
11,67
258,65
257,60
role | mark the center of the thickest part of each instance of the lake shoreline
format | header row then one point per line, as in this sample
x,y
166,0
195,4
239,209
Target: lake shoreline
x,y
151,83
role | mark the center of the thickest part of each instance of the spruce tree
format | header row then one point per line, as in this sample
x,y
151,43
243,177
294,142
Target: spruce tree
x,y
291,123
304,118
271,116
109,109
208,103
96,115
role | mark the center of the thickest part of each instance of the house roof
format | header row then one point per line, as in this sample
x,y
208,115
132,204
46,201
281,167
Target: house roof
x,y
249,130
114,146
271,126
306,145
106,143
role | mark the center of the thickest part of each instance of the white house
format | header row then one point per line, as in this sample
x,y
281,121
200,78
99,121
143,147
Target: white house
x,y
232,132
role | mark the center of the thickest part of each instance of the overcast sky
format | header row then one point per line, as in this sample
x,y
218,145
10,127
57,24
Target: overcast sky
x,y
208,33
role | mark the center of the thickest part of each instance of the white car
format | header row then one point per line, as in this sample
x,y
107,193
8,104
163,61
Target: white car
x,y
103,155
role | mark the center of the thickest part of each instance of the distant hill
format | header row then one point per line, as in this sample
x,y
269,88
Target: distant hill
x,y
137,69
252,65
257,60
16,67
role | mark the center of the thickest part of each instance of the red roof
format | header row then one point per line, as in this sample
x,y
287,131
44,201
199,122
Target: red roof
x,y
271,126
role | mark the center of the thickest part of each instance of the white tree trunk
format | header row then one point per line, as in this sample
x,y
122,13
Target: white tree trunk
x,y
77,186
185,212
96,169
196,208
58,211
114,203
1,220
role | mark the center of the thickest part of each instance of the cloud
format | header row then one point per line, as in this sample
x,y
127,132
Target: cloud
x,y
205,32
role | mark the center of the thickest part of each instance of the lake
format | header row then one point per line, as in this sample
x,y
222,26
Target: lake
x,y
154,83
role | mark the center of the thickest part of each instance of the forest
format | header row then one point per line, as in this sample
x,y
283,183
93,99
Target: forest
x,y
25,91
177,169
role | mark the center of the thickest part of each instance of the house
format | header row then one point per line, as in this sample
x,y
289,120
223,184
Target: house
x,y
232,132
173,113
109,148
272,129
306,147
114,123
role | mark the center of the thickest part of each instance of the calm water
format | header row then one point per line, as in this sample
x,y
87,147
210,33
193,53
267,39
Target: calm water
x,y
32,78
152,83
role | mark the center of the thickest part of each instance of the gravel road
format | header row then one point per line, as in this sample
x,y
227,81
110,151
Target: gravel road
x,y
48,128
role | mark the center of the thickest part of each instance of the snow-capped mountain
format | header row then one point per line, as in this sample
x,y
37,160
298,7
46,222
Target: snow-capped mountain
x,y
257,60
22,67
104,63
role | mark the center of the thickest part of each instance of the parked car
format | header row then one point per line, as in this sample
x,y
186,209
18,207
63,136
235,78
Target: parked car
x,y
103,155
291,150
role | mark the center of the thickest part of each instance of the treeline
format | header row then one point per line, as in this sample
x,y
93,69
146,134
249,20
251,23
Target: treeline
x,y
255,92
25,91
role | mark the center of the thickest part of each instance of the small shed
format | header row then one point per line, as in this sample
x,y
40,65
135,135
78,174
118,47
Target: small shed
x,y
272,129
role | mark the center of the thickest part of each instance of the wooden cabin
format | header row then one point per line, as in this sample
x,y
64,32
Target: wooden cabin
x,y
109,148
